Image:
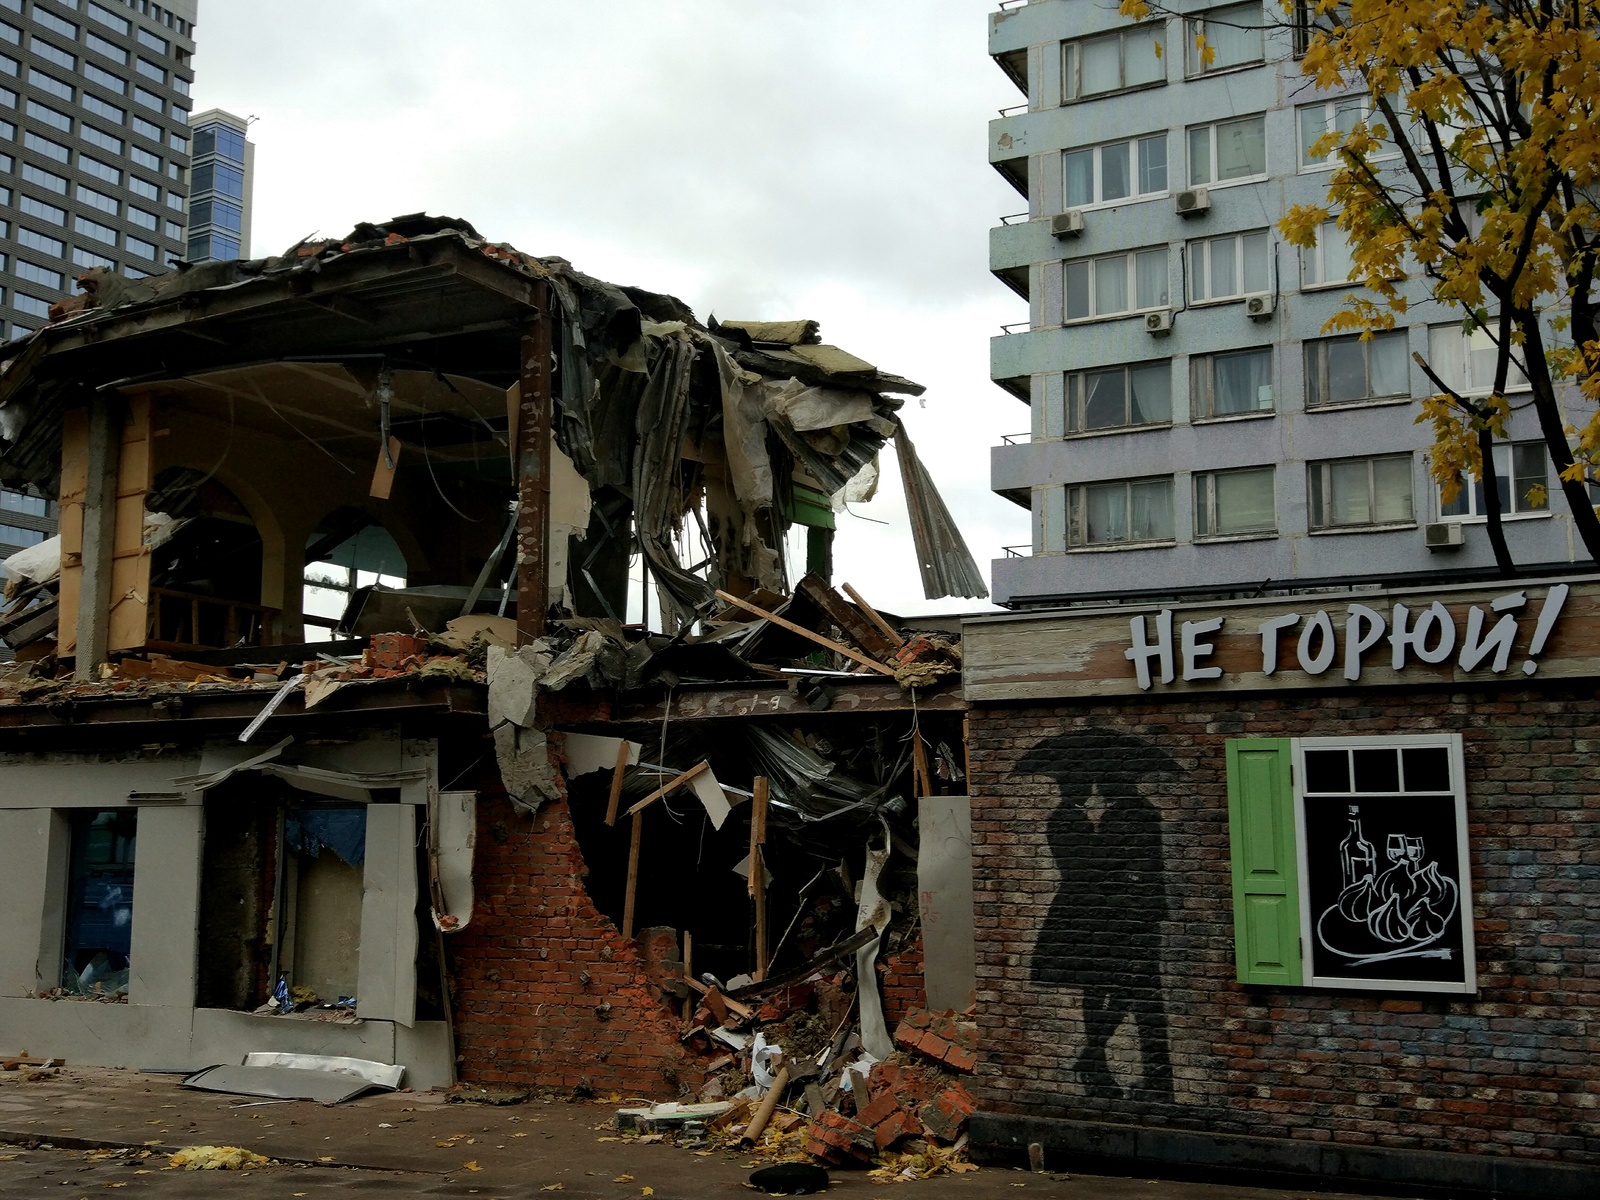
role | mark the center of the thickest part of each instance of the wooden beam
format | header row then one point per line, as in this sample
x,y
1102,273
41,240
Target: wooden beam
x,y
758,872
874,617
742,1011
853,655
616,781
849,620
533,473
919,765
633,875
672,784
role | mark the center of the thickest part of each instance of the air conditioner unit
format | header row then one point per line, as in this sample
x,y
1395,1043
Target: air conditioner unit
x,y
1260,307
1442,535
1067,224
1159,322
1192,201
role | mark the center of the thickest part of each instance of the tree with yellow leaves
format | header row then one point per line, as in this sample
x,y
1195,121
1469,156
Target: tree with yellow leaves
x,y
1477,171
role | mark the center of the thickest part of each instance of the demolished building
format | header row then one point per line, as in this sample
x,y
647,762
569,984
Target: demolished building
x,y
335,728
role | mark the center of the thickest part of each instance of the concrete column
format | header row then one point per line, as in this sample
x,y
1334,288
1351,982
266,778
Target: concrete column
x,y
35,844
166,906
99,519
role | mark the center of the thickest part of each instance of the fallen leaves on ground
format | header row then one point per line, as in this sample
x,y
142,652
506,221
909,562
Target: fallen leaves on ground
x,y
623,1179
216,1158
471,1166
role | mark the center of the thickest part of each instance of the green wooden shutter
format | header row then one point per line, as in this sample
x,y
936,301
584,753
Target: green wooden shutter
x,y
1266,891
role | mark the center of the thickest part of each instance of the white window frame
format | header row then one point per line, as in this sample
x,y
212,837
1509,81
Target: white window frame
x,y
1452,744
1075,396
1195,26
1077,514
1330,110
1314,265
1316,368
1466,384
1517,504
1205,506
1204,248
1324,468
1071,62
1211,182
1130,260
1097,158
1203,387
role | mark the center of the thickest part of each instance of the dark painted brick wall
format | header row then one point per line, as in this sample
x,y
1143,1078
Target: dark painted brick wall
x,y
1514,1071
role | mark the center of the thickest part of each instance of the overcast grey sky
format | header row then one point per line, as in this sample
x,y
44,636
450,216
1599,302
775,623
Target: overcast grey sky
x,y
757,159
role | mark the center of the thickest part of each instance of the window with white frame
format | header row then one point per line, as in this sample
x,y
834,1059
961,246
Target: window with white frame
x,y
1234,503
1465,360
1355,493
1119,512
1519,468
1119,397
1233,384
1115,283
1329,263
1330,116
1228,267
1113,62
1115,171
1221,38
1347,370
1224,151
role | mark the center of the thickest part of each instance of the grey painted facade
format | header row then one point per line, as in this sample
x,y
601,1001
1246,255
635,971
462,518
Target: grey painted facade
x,y
1040,42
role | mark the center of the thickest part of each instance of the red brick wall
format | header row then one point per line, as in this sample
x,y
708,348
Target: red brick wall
x,y
900,983
1508,1072
547,992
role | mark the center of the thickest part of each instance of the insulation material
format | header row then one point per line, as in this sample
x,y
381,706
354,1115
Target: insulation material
x,y
790,333
570,503
744,432
873,911
944,891
452,839
808,409
861,489
588,752
37,564
942,555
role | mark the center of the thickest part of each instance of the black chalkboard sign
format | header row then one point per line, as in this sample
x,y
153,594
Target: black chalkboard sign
x,y
1385,892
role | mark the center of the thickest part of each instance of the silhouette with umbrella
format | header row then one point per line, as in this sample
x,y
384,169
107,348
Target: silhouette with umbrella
x,y
1103,933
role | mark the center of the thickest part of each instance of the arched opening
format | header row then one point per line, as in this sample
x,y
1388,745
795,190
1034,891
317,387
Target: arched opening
x,y
348,551
205,571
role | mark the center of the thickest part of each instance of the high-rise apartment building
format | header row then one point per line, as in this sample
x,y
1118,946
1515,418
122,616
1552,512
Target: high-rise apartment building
x,y
1193,429
94,161
221,180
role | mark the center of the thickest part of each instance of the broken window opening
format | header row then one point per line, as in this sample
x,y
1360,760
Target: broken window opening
x,y
206,570
367,556
100,903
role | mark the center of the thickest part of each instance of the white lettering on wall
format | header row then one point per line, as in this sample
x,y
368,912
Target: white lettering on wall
x,y
1429,636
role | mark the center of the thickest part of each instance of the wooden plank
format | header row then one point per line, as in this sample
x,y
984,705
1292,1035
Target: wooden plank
x,y
633,875
874,617
533,473
383,474
616,781
919,765
849,620
742,1011
853,655
758,872
672,784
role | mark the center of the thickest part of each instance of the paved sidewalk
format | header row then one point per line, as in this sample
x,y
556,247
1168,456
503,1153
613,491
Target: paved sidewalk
x,y
404,1143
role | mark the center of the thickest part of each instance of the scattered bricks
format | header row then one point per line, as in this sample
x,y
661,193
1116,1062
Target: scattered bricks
x,y
945,1116
957,1059
835,1138
878,1108
389,650
899,1124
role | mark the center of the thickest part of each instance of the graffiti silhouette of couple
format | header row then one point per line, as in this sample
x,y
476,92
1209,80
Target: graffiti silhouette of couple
x,y
1103,933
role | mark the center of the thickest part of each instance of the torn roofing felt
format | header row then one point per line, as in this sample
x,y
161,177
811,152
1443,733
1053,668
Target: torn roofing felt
x,y
692,432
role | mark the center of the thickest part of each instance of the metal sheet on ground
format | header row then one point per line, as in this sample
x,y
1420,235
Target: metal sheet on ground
x,y
281,1083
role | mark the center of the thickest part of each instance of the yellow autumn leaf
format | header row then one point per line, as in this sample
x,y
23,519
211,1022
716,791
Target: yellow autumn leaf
x,y
647,1191
471,1166
623,1179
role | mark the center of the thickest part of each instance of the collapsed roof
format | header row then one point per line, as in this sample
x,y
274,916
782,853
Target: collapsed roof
x,y
411,330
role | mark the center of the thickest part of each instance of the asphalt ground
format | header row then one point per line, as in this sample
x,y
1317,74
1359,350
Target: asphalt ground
x,y
88,1132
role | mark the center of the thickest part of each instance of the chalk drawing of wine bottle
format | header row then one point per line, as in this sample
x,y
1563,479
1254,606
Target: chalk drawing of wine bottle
x,y
1359,862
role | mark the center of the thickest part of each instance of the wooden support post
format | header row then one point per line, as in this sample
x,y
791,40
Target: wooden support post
x,y
99,520
853,655
672,784
616,781
533,472
758,871
919,765
633,875
874,617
